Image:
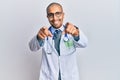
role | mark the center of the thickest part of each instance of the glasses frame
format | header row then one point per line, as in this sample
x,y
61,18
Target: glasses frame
x,y
57,14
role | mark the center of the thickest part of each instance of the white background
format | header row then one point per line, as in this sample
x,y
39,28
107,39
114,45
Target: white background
x,y
20,20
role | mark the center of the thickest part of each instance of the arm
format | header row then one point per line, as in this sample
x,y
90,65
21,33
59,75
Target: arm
x,y
35,43
82,42
80,39
38,41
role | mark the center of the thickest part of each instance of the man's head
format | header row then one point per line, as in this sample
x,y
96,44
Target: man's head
x,y
55,14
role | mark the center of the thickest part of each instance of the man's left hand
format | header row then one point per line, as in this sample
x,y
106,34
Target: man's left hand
x,y
70,29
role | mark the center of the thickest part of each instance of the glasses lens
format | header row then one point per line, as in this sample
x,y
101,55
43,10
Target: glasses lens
x,y
58,14
51,15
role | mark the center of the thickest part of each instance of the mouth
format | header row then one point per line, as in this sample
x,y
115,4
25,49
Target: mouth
x,y
55,22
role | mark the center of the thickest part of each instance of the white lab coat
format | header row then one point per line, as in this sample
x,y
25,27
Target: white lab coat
x,y
51,62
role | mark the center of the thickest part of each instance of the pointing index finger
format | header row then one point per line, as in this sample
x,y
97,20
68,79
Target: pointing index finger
x,y
49,34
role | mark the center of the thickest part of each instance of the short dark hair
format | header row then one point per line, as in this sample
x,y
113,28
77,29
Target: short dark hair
x,y
54,3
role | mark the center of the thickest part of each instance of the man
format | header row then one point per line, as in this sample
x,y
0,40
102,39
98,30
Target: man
x,y
58,43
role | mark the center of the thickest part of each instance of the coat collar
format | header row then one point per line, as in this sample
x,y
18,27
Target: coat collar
x,y
52,29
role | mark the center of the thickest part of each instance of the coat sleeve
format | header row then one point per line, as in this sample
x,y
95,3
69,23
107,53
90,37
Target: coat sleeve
x,y
82,42
34,44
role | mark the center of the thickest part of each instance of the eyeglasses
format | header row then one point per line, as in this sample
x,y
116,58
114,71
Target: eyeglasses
x,y
57,14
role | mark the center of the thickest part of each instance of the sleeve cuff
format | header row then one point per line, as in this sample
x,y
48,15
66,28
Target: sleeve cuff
x,y
41,41
76,38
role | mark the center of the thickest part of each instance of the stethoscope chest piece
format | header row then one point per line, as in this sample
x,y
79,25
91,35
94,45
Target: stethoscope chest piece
x,y
65,39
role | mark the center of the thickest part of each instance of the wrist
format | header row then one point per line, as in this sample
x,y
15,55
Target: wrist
x,y
76,32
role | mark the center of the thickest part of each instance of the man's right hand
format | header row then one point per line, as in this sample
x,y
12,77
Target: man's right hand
x,y
44,32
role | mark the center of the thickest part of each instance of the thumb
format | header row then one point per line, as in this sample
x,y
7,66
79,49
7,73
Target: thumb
x,y
49,34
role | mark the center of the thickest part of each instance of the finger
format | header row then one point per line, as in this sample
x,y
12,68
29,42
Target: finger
x,y
68,27
44,35
40,36
49,34
67,24
73,31
69,30
66,30
45,30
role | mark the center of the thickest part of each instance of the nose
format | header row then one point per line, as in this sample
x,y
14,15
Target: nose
x,y
54,17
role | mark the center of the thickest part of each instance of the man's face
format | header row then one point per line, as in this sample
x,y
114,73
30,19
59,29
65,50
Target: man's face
x,y
55,16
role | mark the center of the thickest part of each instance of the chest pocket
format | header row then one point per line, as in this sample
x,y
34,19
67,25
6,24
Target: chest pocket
x,y
67,47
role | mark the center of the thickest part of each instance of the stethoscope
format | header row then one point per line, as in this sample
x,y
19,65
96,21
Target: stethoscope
x,y
49,49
